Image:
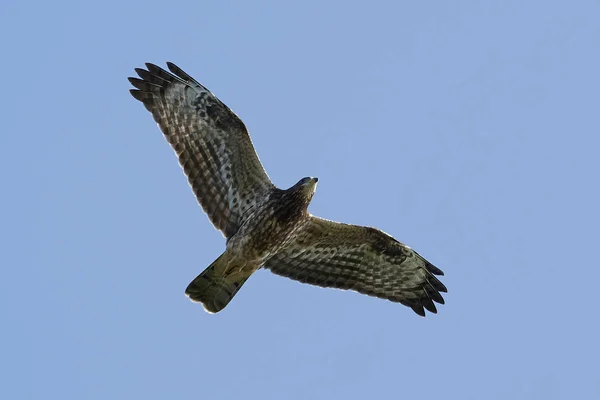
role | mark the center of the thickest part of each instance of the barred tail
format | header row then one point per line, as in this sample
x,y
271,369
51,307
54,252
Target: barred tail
x,y
213,288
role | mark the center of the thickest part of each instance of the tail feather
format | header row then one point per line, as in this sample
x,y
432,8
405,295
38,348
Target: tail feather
x,y
213,288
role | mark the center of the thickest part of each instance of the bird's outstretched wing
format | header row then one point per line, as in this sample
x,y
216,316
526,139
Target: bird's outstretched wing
x,y
212,143
366,260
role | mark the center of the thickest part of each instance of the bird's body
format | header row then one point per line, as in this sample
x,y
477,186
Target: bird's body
x,y
273,223
266,226
265,232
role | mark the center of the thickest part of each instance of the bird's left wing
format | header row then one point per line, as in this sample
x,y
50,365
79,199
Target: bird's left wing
x,y
363,259
211,142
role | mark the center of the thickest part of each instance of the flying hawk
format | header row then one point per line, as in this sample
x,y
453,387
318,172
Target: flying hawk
x,y
266,226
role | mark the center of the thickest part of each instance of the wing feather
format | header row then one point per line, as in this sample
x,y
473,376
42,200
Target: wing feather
x,y
211,142
363,259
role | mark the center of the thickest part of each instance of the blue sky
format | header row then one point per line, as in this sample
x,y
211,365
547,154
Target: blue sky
x,y
468,130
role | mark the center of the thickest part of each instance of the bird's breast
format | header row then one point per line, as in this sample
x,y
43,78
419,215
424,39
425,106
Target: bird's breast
x,y
265,232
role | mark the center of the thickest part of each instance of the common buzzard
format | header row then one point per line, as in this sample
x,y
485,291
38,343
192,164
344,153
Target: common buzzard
x,y
266,226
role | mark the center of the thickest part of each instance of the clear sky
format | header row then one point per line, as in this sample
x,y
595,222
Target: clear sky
x,y
466,129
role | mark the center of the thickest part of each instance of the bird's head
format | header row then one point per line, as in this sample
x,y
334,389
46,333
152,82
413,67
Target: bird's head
x,y
306,186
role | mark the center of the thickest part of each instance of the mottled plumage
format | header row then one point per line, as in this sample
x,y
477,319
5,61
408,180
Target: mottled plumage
x,y
264,225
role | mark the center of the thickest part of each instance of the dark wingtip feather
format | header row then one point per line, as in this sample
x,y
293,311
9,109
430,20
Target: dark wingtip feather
x,y
437,285
433,293
137,94
146,98
428,304
153,67
162,74
138,83
178,71
181,73
435,296
172,67
145,85
152,78
433,269
418,308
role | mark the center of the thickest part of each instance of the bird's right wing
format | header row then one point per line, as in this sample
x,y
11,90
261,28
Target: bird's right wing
x,y
366,260
211,142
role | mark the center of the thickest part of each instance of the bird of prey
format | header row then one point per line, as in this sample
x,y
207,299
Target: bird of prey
x,y
266,226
